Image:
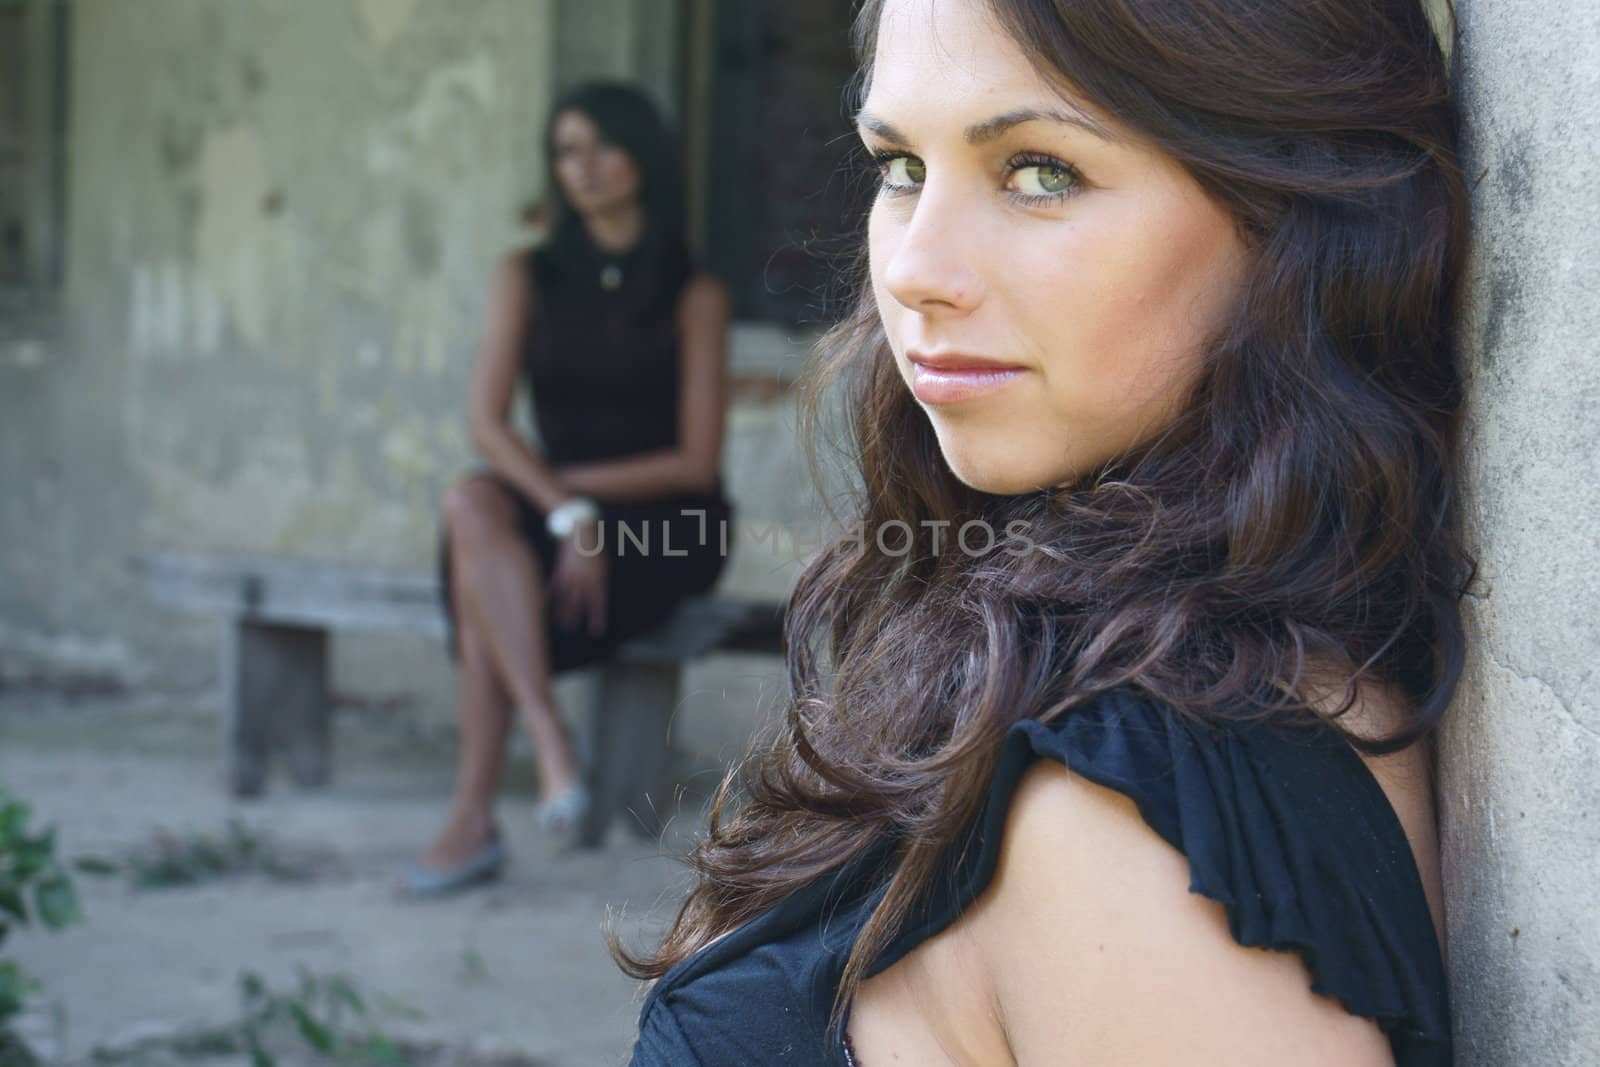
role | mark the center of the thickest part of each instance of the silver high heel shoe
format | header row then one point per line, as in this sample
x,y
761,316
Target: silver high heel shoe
x,y
562,813
484,865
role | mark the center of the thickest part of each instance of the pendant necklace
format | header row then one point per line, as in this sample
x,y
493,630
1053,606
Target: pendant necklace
x,y
610,277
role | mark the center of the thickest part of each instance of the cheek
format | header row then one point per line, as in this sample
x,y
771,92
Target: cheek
x,y
882,238
618,168
878,250
573,175
1118,312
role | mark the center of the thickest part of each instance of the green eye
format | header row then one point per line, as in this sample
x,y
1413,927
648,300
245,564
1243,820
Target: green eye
x,y
902,171
1044,179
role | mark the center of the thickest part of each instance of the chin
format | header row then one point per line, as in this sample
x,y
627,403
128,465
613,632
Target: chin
x,y
999,464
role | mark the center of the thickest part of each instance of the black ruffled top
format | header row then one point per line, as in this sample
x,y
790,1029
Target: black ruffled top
x,y
1283,825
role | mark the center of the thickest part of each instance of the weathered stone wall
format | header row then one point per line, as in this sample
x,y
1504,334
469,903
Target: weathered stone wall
x,y
1520,792
282,218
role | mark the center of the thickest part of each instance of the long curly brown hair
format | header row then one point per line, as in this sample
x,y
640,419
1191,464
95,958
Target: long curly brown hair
x,y
1303,509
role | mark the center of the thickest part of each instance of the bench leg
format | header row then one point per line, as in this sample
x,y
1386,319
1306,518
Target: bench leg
x,y
628,749
277,679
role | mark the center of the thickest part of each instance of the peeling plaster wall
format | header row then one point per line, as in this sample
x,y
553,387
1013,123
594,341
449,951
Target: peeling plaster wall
x,y
1519,791
282,221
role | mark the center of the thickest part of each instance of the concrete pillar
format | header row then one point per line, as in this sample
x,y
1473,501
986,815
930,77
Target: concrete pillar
x,y
1519,791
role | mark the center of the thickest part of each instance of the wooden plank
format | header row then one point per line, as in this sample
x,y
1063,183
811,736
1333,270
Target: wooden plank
x,y
340,596
705,624
296,592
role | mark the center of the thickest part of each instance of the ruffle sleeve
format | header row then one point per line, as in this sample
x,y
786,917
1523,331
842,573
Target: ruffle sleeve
x,y
1283,825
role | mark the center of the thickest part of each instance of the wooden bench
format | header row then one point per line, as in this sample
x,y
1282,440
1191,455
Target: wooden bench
x,y
280,613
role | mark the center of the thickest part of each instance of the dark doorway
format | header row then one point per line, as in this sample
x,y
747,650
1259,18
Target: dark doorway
x,y
782,203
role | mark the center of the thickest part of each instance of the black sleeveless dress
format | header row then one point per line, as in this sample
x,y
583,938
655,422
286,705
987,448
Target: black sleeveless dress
x,y
601,368
1283,825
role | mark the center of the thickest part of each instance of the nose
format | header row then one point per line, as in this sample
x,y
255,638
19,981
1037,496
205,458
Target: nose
x,y
931,267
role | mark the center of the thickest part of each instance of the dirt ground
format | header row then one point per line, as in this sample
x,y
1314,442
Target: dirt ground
x,y
515,973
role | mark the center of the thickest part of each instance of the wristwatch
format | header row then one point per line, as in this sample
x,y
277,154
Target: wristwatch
x,y
565,517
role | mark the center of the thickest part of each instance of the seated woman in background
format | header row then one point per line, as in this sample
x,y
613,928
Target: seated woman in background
x,y
1128,670
557,554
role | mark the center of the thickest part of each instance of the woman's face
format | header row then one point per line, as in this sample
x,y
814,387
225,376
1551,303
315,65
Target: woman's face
x,y
1088,266
595,175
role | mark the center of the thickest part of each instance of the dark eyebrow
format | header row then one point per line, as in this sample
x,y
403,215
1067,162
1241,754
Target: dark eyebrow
x,y
989,129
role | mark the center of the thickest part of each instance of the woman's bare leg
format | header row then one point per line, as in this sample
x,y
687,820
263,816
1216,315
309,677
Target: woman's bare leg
x,y
485,710
503,590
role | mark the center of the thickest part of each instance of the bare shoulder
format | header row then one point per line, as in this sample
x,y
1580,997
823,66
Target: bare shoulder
x,y
511,293
514,267
1101,954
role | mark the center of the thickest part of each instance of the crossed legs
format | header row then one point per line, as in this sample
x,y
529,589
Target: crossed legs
x,y
499,600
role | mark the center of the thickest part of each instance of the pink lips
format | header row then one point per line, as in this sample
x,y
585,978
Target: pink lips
x,y
950,378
